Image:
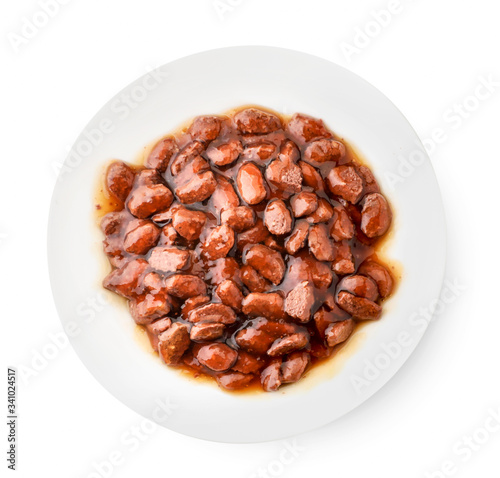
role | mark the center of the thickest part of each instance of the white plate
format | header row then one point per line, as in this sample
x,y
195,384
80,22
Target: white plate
x,y
287,81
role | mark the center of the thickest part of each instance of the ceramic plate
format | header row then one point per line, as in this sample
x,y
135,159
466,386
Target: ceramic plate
x,y
99,325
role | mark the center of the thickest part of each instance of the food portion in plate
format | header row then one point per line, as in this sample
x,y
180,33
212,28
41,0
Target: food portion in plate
x,y
246,246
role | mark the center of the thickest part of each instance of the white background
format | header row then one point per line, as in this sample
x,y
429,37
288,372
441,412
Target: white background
x,y
428,58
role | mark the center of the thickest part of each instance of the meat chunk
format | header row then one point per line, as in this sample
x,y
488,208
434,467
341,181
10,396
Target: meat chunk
x,y
197,189
297,240
289,152
224,196
160,155
380,275
238,218
218,243
152,282
323,150
217,357
113,222
267,262
222,269
191,361
254,235
323,213
251,183
140,236
234,380
192,303
254,121
342,227
186,156
145,201
285,175
343,262
149,307
304,128
305,267
271,377
304,203
168,236
359,307
225,153
169,259
339,332
320,244
323,318
277,218
159,326
370,183
248,363
148,177
173,343
253,340
113,248
188,223
360,286
299,301
253,280
294,366
311,176
321,274
270,305
259,151
206,331
185,286
230,294
205,128
376,216
274,328
197,165
346,183
216,313
155,328
125,280
167,215
119,179
288,344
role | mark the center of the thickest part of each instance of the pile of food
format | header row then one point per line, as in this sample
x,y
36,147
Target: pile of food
x,y
246,246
